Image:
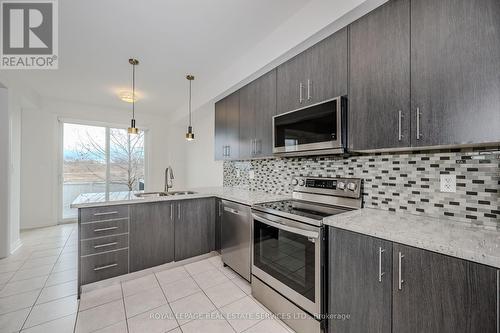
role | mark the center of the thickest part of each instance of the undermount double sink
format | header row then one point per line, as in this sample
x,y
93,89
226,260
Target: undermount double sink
x,y
162,194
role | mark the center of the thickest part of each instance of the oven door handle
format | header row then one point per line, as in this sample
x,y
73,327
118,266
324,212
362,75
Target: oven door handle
x,y
281,226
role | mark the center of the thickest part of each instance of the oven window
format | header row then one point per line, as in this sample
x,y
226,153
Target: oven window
x,y
311,125
288,257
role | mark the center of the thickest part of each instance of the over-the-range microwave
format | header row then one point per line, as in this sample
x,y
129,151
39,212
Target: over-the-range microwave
x,y
312,130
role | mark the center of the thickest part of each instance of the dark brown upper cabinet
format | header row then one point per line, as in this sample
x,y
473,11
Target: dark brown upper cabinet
x,y
227,127
315,75
424,73
455,66
257,108
379,85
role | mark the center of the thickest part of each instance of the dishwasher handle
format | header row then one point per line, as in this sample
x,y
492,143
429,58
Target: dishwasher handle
x,y
233,211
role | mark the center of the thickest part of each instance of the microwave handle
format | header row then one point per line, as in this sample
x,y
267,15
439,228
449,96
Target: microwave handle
x,y
302,232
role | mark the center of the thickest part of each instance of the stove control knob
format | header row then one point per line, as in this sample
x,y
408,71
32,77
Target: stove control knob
x,y
302,182
341,185
295,181
352,187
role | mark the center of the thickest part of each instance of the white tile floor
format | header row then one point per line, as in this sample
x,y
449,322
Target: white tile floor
x,y
38,294
38,282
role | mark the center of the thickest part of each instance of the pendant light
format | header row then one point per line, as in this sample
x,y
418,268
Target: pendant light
x,y
190,134
132,129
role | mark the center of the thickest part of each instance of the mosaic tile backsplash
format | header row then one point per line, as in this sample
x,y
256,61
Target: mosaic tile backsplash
x,y
407,182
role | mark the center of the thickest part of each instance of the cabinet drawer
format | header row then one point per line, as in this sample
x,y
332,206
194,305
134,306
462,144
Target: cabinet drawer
x,y
103,266
103,244
104,228
103,213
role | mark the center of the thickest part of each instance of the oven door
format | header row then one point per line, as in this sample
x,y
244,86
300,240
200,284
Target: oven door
x,y
315,127
286,255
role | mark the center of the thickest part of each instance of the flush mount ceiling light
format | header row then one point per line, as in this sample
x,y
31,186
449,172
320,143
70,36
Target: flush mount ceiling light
x,y
127,96
190,134
132,129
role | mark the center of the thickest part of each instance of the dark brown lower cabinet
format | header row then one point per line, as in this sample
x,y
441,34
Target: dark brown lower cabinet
x,y
441,294
360,269
194,227
430,292
151,235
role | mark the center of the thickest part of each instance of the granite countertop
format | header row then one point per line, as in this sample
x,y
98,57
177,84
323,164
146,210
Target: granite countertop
x,y
239,195
474,243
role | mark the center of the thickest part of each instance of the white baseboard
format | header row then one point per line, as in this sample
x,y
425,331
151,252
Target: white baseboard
x,y
16,245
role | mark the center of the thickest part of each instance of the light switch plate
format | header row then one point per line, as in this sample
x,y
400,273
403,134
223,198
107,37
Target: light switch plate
x,y
251,174
449,183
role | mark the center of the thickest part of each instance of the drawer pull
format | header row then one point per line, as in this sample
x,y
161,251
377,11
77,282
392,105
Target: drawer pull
x,y
105,213
104,245
105,229
105,267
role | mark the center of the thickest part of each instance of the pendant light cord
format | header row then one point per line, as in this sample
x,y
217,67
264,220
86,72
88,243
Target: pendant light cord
x,y
190,102
133,91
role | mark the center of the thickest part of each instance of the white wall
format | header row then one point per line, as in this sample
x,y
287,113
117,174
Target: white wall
x,y
14,171
314,22
4,174
40,166
194,160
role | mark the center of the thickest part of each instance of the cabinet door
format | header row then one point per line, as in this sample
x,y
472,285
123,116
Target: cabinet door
x,y
218,222
441,294
220,129
233,125
264,112
455,61
327,76
248,97
194,228
151,235
379,78
360,282
290,77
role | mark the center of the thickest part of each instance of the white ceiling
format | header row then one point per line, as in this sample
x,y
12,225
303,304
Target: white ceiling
x,y
170,38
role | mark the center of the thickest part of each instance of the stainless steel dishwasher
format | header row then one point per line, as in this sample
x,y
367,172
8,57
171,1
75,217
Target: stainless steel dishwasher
x,y
236,235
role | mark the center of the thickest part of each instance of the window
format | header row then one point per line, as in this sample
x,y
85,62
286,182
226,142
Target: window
x,y
98,159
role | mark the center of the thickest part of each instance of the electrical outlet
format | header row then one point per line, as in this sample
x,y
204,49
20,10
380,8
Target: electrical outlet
x,y
251,174
449,183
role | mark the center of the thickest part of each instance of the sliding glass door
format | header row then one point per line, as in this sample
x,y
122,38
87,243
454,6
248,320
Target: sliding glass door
x,y
99,159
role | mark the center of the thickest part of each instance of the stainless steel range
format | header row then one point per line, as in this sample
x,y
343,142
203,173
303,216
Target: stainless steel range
x,y
287,248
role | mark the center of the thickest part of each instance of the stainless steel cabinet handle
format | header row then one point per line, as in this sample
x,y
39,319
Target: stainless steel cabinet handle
x,y
380,273
106,213
400,118
105,229
220,208
171,212
301,86
104,245
105,267
309,90
179,211
419,135
400,280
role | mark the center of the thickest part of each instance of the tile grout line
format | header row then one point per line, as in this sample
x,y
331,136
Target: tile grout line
x,y
34,304
124,308
216,308
166,299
